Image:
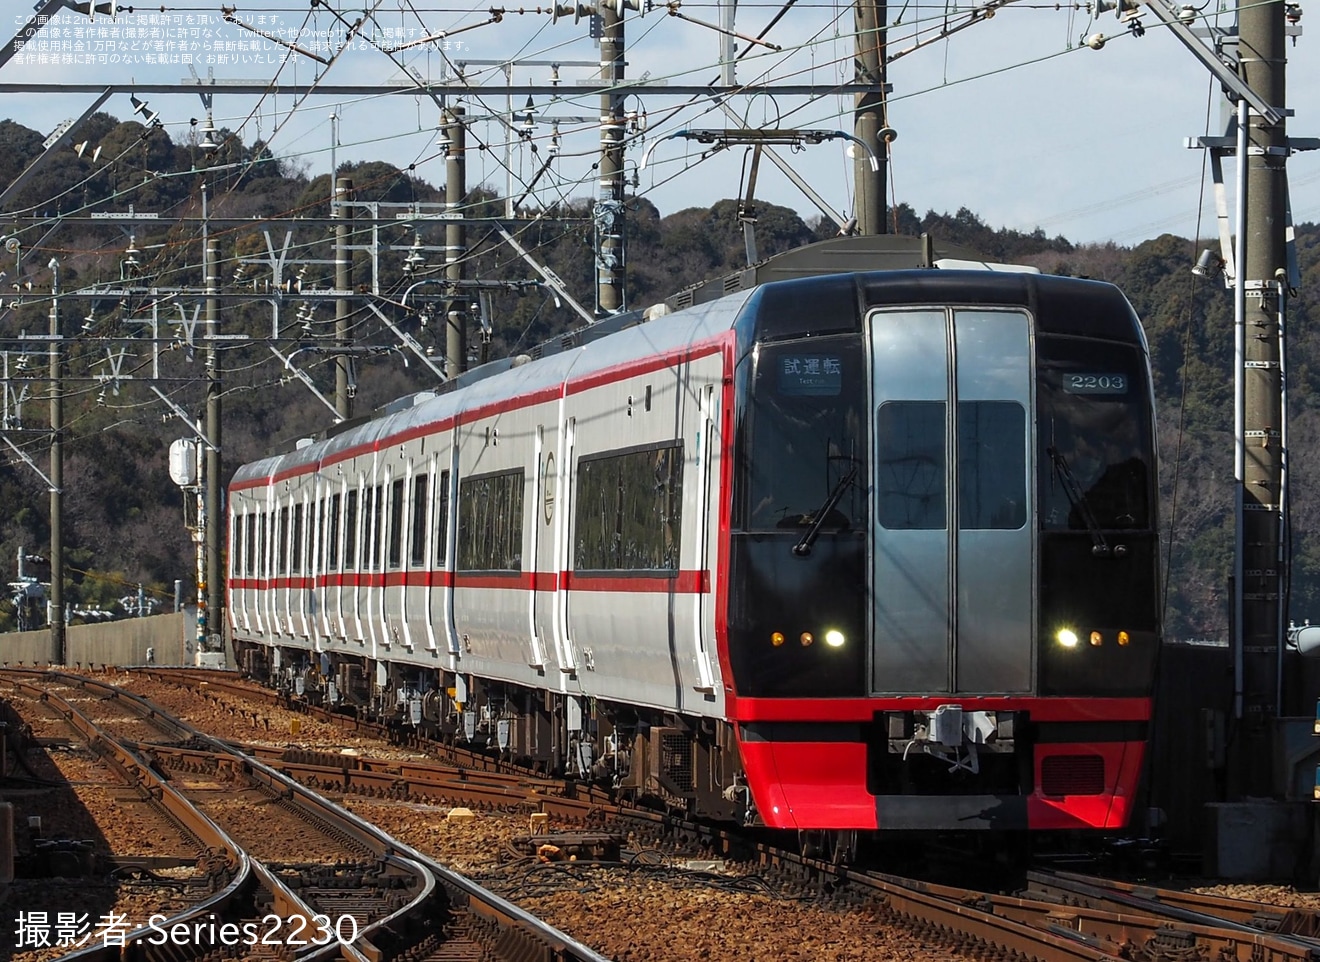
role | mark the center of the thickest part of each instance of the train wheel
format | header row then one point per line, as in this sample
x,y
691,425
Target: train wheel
x,y
839,848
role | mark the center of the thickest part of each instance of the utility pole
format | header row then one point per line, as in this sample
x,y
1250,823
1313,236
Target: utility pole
x,y
455,240
1263,276
214,596
343,282
868,182
609,205
56,471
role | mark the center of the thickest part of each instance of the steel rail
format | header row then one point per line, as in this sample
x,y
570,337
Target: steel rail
x,y
166,724
242,873
533,936
522,936
284,901
1278,919
432,787
966,914
1149,922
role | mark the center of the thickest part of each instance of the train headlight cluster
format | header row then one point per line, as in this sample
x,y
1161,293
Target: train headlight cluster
x,y
833,638
1068,638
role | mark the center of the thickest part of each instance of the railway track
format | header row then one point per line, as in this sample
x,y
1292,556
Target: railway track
x,y
214,682
1058,917
231,898
388,901
1211,926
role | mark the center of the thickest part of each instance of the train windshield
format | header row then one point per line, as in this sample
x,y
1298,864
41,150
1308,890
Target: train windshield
x,y
1094,436
807,442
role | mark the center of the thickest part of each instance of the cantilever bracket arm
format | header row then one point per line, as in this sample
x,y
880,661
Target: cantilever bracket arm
x,y
32,464
1231,81
552,280
182,415
409,342
305,378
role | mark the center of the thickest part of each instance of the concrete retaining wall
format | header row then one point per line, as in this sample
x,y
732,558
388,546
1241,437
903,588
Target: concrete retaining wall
x,y
115,643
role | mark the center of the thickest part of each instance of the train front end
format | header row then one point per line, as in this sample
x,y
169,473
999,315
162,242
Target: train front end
x,y
942,595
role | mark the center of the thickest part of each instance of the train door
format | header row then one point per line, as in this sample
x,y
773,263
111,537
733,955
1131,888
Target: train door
x,y
394,578
355,551
562,512
545,567
442,596
334,562
994,624
370,580
283,606
301,567
380,492
275,591
319,539
239,553
703,522
952,563
418,581
263,569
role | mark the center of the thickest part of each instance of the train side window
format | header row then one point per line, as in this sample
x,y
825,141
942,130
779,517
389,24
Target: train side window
x,y
296,542
235,548
368,529
417,537
396,524
351,530
992,465
364,544
315,546
250,557
263,545
442,520
490,519
377,560
629,510
322,519
283,567
910,465
332,534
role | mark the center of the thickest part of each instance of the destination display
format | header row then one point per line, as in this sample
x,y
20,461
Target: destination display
x,y
810,375
1088,383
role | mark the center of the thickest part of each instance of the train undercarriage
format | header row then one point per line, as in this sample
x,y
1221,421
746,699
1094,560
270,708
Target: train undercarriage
x,y
677,762
680,762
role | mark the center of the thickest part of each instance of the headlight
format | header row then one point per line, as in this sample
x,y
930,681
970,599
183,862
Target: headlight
x,y
834,638
1067,637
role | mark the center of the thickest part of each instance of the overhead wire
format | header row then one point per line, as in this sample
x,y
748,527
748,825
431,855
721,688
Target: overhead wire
x,y
686,165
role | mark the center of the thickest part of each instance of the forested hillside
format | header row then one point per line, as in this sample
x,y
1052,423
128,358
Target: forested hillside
x,y
125,518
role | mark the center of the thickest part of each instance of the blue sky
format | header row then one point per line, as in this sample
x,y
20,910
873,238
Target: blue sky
x,y
1013,117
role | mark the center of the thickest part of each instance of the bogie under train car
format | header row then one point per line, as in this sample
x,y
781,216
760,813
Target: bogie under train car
x,y
860,550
